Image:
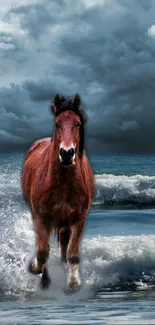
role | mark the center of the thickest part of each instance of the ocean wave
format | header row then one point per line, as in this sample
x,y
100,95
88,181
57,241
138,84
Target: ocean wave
x,y
124,190
111,191
117,263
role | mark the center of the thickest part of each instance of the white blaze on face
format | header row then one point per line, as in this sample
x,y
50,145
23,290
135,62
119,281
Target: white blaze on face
x,y
67,148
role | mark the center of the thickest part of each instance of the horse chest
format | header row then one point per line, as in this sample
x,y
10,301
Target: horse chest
x,y
61,196
59,200
60,207
64,194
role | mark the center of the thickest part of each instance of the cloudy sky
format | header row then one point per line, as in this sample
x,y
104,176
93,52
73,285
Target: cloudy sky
x,y
102,49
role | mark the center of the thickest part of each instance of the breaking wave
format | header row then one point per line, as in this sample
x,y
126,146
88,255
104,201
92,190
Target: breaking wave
x,y
111,191
116,263
124,190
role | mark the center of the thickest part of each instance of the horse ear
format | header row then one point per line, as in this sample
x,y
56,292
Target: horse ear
x,y
77,101
56,104
57,101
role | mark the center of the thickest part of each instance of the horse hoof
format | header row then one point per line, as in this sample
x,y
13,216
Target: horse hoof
x,y
45,283
32,268
45,279
73,287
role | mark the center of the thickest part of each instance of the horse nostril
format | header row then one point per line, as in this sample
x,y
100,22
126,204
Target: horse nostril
x,y
66,154
62,152
71,152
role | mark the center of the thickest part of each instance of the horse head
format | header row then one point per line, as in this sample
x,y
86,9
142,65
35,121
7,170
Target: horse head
x,y
69,128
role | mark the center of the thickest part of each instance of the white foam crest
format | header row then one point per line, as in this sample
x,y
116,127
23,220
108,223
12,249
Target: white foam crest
x,y
110,189
121,188
106,262
16,241
107,259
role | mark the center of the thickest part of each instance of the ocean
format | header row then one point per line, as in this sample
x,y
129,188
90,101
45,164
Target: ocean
x,y
117,250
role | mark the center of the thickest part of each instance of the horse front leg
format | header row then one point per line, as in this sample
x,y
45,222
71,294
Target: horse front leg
x,y
64,236
42,254
73,255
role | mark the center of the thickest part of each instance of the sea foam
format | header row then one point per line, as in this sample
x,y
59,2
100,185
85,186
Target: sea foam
x,y
112,189
116,262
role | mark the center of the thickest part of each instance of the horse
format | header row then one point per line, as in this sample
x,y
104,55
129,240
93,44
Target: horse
x,y
58,184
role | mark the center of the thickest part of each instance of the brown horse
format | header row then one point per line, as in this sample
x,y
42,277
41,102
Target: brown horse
x,y
58,184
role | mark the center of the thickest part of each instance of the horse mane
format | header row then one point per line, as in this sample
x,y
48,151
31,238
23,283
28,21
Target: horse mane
x,y
62,104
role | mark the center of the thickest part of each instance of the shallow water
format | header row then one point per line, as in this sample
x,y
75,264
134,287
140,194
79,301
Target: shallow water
x,y
115,309
117,250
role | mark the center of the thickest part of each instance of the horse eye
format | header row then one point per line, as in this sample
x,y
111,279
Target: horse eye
x,y
78,124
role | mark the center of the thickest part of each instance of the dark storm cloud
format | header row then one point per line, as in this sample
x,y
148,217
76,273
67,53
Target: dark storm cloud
x,y
103,50
21,120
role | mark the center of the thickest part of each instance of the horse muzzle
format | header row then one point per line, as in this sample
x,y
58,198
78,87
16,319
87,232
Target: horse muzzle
x,y
67,156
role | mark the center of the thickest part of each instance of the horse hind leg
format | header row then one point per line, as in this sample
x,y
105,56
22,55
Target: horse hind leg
x,y
42,254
